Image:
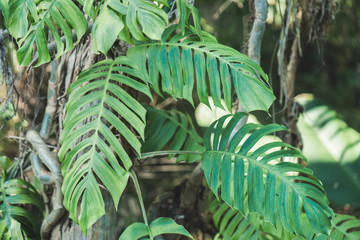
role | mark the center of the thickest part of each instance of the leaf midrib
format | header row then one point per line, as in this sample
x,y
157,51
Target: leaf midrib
x,y
264,166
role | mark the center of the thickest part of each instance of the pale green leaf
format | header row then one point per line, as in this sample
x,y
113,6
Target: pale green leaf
x,y
157,227
333,151
106,29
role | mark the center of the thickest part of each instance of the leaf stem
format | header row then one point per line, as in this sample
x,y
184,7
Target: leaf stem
x,y
138,191
162,153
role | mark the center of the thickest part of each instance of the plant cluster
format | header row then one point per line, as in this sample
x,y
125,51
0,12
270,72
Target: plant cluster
x,y
107,126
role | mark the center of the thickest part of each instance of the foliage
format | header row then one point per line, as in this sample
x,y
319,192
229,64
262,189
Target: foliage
x,y
333,150
17,222
258,181
157,227
171,130
105,126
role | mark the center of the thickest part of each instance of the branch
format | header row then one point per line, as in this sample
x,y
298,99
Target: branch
x,y
54,176
257,31
45,155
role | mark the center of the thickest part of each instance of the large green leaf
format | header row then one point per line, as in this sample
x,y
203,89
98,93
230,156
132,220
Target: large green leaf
x,y
171,130
15,219
157,227
139,16
333,151
18,18
59,16
98,109
254,179
173,66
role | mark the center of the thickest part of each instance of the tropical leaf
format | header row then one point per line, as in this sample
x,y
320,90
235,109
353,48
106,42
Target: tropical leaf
x,y
232,225
51,14
258,181
157,227
216,68
343,227
16,221
137,17
96,104
171,130
18,18
332,149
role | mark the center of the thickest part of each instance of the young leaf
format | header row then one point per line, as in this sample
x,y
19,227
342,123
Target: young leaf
x,y
98,101
140,17
257,181
157,227
180,63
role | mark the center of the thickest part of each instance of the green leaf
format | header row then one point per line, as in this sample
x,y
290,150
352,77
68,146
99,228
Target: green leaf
x,y
253,178
14,195
333,151
157,227
343,227
232,225
61,13
98,103
173,66
106,29
5,163
4,7
19,14
171,130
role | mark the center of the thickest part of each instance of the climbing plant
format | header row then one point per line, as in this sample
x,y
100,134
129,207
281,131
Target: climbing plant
x,y
108,123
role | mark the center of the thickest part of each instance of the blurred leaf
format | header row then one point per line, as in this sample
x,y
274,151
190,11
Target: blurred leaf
x,y
333,152
5,163
14,195
171,130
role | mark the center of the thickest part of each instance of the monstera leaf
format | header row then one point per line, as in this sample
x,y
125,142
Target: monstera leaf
x,y
98,103
16,222
157,227
171,130
137,17
253,178
232,225
343,227
53,15
173,66
332,149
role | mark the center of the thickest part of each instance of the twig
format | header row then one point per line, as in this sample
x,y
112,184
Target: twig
x,y
55,176
257,30
45,155
281,52
51,103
